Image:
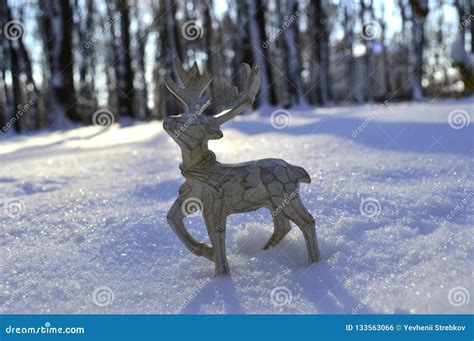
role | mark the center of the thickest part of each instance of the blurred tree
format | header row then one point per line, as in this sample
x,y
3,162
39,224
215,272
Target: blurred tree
x,y
369,28
116,53
85,27
57,23
125,88
293,59
321,50
420,12
15,68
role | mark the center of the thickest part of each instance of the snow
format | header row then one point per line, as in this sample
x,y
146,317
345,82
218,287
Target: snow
x,y
84,230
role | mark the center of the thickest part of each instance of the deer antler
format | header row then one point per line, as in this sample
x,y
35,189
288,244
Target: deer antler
x,y
193,85
245,98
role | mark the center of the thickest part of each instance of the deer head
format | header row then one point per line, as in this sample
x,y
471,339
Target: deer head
x,y
193,129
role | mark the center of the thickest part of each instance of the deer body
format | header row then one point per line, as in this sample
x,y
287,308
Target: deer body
x,y
250,185
224,189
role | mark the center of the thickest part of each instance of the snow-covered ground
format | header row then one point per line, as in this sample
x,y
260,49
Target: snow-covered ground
x,y
83,225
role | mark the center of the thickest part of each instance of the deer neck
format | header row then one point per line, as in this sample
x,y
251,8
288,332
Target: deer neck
x,y
198,157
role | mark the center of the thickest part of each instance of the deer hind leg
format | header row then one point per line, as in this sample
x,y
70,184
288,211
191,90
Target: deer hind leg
x,y
175,219
281,228
305,221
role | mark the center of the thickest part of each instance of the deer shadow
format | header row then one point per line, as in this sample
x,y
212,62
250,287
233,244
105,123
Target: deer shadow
x,y
326,291
52,144
222,287
392,136
162,191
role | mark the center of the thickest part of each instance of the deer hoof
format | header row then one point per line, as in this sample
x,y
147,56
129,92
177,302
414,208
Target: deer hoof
x,y
223,271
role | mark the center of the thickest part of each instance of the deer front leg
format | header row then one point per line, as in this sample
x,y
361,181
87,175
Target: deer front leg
x,y
217,237
175,219
216,224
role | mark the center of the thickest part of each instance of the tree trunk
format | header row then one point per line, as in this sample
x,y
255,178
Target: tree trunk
x,y
258,37
125,73
58,22
385,58
15,71
142,36
293,57
420,11
321,51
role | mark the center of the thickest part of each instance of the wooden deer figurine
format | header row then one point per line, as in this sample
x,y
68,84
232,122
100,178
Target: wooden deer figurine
x,y
218,189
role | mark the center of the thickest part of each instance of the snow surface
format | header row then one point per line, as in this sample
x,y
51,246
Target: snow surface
x,y
95,205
